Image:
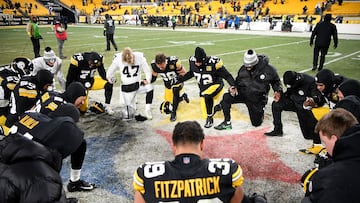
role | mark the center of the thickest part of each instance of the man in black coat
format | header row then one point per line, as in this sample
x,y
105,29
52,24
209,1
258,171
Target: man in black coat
x,y
337,182
301,90
253,83
323,32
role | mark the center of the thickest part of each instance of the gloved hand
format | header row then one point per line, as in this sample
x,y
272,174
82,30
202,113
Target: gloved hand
x,y
104,33
311,43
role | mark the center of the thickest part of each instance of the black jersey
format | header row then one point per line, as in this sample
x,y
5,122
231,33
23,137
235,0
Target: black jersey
x,y
188,179
80,70
210,73
60,133
8,79
49,102
170,74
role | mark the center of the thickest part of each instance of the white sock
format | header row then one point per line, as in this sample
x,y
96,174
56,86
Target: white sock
x,y
75,175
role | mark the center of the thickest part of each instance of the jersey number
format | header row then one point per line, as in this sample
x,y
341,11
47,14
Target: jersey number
x,y
131,71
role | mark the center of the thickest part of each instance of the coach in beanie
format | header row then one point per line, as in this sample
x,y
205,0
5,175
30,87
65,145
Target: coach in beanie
x,y
350,87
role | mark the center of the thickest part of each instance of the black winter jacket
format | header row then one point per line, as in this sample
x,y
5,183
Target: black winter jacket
x,y
29,172
255,84
304,87
339,182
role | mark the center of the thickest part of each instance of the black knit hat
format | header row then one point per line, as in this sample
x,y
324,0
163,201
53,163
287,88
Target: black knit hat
x,y
44,77
200,54
326,77
352,104
350,87
74,91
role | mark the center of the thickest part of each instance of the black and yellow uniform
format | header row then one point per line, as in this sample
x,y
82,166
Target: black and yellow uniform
x,y
58,132
170,75
8,80
83,67
188,179
209,76
26,92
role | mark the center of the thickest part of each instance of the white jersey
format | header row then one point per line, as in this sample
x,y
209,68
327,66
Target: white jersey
x,y
39,63
130,73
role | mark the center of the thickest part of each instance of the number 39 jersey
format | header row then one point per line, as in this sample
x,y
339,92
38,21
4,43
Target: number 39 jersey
x,y
188,179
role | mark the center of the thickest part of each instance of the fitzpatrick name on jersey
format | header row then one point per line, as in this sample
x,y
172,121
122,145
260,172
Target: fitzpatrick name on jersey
x,y
196,187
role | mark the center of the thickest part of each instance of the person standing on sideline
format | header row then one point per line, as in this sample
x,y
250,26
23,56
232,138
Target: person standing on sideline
x,y
322,34
33,32
337,182
109,30
61,35
219,180
253,83
209,72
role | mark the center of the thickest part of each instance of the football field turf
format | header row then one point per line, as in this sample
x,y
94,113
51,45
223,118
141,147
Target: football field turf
x,y
115,148
286,52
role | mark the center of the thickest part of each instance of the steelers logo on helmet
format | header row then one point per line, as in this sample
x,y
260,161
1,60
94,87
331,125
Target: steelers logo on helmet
x,y
22,65
166,107
95,59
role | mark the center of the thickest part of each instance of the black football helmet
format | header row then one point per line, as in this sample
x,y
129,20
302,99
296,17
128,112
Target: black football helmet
x,y
22,65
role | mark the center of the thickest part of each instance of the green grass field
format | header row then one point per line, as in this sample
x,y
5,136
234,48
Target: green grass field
x,y
285,53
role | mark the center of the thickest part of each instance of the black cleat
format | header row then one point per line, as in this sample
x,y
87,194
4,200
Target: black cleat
x,y
274,133
80,185
314,68
173,116
185,98
224,126
209,122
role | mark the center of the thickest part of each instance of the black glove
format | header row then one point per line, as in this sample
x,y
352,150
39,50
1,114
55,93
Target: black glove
x,y
311,43
104,33
40,37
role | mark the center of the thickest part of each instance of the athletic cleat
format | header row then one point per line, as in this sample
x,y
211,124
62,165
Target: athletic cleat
x,y
148,114
274,133
314,150
224,126
80,185
209,122
185,98
173,116
71,200
109,110
314,68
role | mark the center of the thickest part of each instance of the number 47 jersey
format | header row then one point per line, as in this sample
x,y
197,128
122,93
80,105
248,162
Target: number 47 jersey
x,y
188,179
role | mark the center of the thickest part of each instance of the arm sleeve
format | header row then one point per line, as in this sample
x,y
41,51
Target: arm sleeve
x,y
102,72
73,72
224,73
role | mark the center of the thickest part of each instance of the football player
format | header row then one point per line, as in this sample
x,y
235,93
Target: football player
x,y
51,63
169,68
9,77
209,72
189,178
131,64
26,92
58,130
83,67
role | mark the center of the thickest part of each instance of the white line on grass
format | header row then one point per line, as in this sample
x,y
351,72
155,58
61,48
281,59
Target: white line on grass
x,y
332,61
